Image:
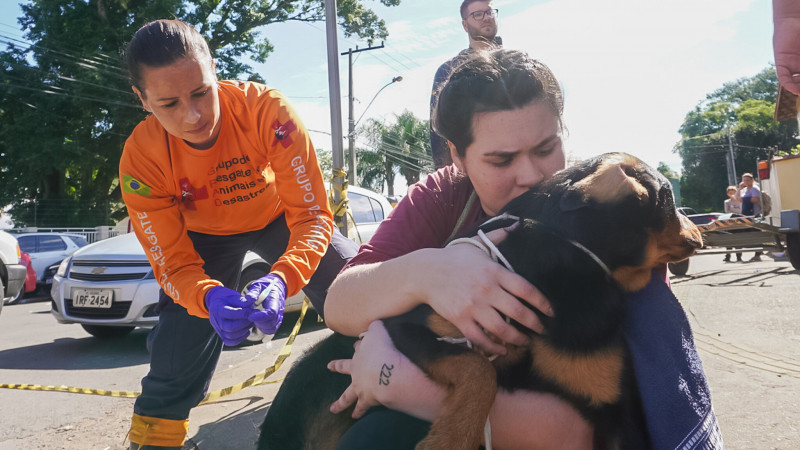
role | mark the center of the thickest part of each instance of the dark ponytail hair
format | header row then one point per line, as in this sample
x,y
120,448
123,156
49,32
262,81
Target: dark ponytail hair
x,y
161,43
491,81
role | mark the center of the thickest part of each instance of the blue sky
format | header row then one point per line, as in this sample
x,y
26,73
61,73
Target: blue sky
x,y
630,69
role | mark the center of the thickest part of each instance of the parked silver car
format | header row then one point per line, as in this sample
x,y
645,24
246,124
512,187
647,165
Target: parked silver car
x,y
47,249
109,288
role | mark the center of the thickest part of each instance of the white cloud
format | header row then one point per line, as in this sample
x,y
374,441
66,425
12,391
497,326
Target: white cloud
x,y
632,69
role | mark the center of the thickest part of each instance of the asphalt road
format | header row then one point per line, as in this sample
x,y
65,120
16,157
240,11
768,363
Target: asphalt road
x,y
746,320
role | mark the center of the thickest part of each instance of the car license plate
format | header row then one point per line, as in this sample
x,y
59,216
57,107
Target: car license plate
x,y
92,298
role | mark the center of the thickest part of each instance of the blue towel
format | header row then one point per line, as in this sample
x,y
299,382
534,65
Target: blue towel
x,y
675,394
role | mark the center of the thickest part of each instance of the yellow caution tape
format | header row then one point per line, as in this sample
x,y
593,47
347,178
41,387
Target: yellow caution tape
x,y
259,378
338,209
255,380
73,390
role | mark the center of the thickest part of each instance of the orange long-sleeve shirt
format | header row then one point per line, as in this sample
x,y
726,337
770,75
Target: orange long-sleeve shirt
x,y
261,166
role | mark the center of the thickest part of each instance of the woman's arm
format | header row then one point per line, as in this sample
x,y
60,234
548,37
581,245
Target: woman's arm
x,y
161,229
519,420
528,420
300,186
460,282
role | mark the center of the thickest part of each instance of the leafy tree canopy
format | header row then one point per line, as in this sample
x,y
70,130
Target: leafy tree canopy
x,y
665,170
403,146
737,119
67,107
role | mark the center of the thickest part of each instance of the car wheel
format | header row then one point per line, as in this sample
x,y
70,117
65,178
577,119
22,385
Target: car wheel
x,y
247,278
104,332
2,294
679,269
793,249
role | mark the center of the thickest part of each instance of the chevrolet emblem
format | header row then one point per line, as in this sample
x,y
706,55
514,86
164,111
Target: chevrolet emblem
x,y
99,270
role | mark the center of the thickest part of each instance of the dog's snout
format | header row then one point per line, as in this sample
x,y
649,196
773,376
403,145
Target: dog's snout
x,y
690,233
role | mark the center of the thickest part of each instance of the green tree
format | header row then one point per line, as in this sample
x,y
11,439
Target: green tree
x,y
412,136
374,167
67,107
665,170
403,147
736,117
372,170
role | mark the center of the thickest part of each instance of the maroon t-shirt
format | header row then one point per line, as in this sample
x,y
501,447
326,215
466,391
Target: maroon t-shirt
x,y
425,218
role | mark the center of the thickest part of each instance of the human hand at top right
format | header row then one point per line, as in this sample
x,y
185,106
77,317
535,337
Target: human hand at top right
x,y
475,294
786,43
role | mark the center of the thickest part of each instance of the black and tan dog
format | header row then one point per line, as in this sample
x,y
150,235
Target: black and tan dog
x,y
588,235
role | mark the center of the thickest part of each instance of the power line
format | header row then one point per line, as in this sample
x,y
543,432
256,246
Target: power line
x,y
65,94
391,66
413,62
112,69
395,59
755,148
716,135
72,80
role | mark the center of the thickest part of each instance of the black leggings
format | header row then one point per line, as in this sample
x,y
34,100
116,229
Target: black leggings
x,y
385,429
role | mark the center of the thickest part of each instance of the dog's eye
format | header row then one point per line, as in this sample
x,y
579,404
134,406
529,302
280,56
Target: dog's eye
x,y
630,171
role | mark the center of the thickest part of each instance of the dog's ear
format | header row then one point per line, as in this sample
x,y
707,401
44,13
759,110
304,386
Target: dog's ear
x,y
572,199
614,180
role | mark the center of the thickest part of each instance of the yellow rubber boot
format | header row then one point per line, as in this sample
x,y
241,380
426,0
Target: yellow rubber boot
x,y
155,433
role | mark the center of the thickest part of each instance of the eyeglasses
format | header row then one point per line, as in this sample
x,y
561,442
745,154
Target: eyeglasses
x,y
479,15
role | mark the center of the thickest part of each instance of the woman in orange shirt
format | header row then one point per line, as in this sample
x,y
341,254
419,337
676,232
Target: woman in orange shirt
x,y
218,168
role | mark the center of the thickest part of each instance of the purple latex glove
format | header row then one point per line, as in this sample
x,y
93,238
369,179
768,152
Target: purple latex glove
x,y
268,292
229,314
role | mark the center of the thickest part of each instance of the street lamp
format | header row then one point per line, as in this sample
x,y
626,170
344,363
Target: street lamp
x,y
352,128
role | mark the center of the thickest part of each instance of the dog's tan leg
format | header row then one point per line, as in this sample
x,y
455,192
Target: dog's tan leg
x,y
471,382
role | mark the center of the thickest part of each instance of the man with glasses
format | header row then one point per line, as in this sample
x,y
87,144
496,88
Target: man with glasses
x,y
479,21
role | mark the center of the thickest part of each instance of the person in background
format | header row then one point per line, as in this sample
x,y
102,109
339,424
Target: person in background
x,y
751,202
733,205
501,113
750,195
479,20
218,168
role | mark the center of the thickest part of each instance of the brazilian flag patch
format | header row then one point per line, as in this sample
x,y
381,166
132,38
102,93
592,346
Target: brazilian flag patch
x,y
133,186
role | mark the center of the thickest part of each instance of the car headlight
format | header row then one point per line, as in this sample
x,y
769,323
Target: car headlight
x,y
63,268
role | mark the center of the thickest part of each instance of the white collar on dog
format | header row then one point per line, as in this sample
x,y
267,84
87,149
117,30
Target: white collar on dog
x,y
488,247
485,244
591,255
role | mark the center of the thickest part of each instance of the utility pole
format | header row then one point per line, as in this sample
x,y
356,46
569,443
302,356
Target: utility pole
x,y
732,181
339,181
351,129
